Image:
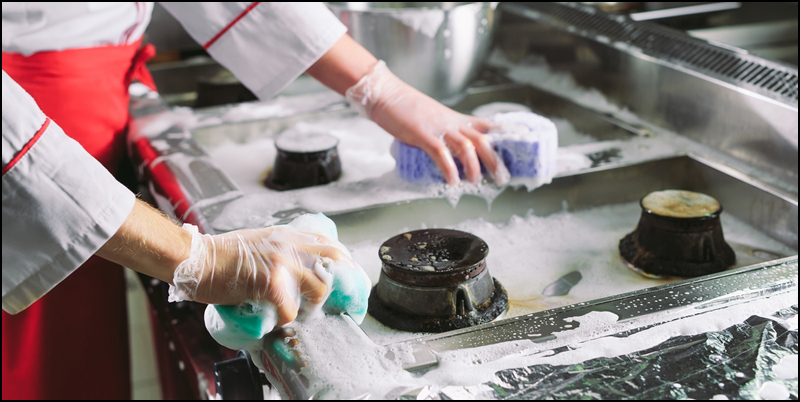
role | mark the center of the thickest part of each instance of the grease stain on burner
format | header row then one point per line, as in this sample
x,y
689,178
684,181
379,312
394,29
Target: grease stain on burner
x,y
604,156
435,280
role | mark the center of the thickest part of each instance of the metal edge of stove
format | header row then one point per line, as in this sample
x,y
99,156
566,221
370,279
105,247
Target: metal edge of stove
x,y
723,97
638,310
707,293
771,79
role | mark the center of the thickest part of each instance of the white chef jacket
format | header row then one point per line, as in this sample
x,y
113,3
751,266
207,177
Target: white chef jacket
x,y
59,204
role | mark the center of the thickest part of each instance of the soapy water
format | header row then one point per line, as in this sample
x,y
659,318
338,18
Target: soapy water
x,y
368,174
528,253
786,369
363,148
359,368
772,391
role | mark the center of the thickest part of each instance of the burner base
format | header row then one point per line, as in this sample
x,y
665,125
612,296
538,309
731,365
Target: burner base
x,y
486,312
652,266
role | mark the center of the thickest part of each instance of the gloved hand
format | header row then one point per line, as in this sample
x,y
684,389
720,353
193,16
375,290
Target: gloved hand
x,y
416,119
275,265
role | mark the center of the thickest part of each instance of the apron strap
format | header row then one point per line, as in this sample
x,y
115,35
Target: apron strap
x,y
138,69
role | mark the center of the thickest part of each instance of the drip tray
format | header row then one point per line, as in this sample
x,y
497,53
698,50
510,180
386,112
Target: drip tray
x,y
761,227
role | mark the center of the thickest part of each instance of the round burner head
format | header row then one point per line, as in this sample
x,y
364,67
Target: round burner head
x,y
680,204
433,257
304,160
679,234
434,280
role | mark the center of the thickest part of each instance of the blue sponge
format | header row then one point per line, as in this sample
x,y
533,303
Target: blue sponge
x,y
526,142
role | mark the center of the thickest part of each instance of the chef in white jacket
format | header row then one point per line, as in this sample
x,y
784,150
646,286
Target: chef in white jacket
x,y
66,68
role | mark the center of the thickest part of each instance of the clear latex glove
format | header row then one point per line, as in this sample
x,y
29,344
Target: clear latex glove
x,y
241,326
417,119
275,265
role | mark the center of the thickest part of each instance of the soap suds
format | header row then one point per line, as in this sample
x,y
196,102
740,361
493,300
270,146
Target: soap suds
x,y
347,364
772,391
555,245
786,369
368,176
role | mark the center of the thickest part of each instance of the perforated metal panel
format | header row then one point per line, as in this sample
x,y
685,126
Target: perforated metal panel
x,y
737,67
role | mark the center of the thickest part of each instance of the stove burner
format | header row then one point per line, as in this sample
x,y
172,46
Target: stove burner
x,y
304,160
679,234
435,280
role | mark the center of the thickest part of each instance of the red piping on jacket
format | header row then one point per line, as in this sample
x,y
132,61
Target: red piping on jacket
x,y
235,20
27,146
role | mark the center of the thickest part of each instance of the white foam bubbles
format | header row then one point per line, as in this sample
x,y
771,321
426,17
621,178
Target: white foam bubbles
x,y
786,369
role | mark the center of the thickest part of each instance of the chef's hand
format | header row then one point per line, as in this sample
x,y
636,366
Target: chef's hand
x,y
270,264
417,119
407,114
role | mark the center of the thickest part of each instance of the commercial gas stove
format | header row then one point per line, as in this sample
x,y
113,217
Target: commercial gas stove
x,y
654,108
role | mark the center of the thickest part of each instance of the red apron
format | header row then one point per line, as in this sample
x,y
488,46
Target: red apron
x,y
73,342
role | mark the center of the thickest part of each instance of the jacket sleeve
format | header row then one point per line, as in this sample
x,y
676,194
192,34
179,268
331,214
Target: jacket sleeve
x,y
265,45
59,204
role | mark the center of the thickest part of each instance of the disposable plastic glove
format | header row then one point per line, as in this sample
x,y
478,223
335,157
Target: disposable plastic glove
x,y
310,240
273,265
416,119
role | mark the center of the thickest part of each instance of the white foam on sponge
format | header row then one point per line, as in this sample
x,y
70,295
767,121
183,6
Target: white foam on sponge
x,y
528,145
524,126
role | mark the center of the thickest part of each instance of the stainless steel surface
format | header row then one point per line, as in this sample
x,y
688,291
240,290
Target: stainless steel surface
x,y
722,97
684,11
775,40
613,183
563,285
705,294
437,48
731,363
766,29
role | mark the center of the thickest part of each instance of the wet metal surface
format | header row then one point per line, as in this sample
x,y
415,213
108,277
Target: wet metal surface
x,y
563,285
708,293
734,363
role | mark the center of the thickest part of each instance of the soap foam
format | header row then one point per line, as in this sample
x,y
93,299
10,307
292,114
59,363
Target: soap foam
x,y
346,364
772,391
787,368
368,176
542,249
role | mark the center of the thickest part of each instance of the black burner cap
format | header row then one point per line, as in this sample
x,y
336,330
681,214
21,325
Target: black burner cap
x,y
304,160
679,234
433,257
